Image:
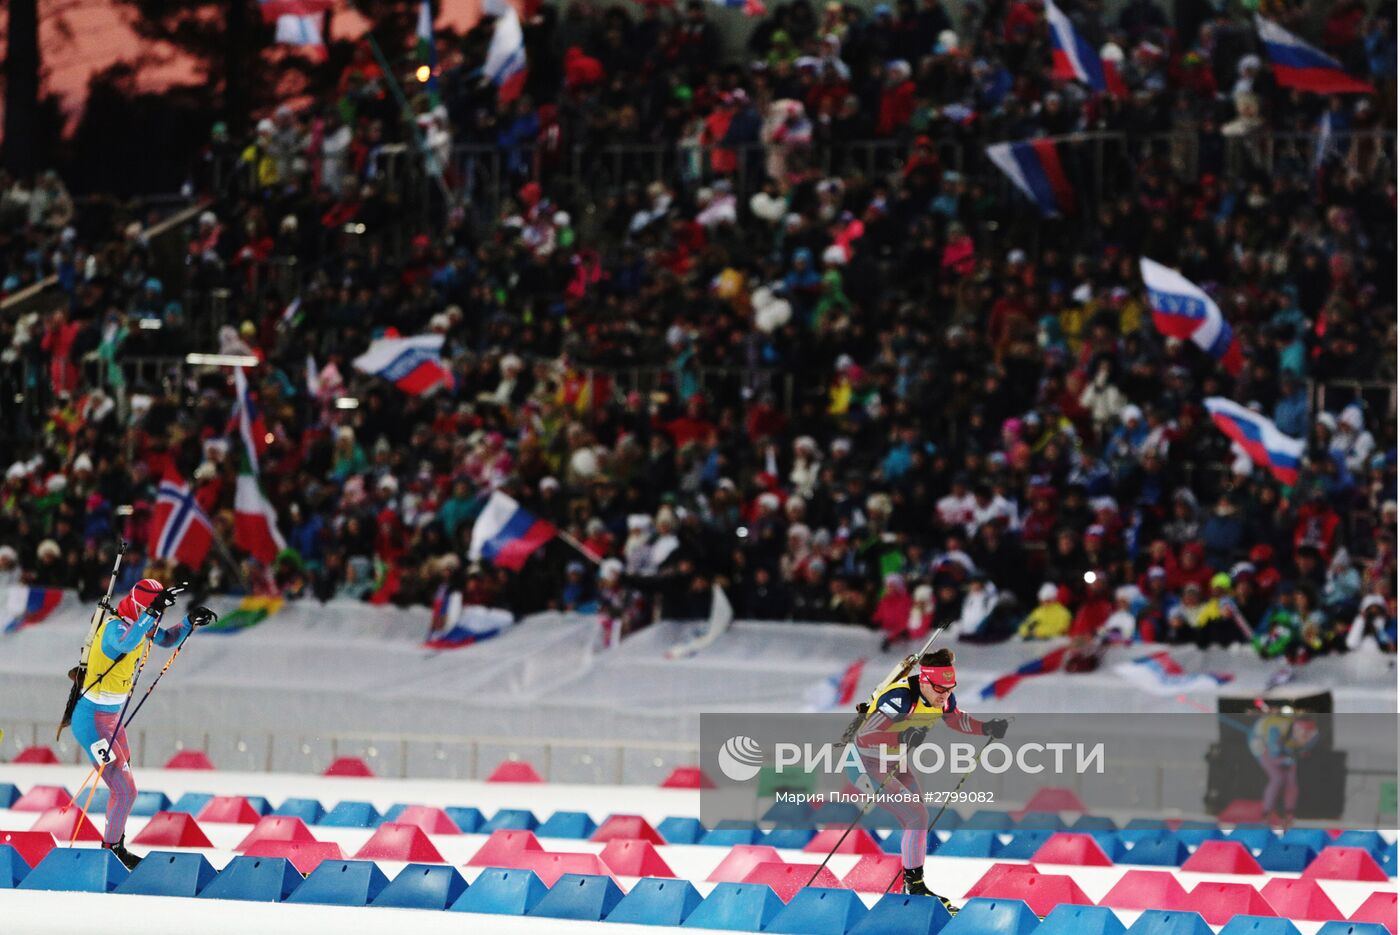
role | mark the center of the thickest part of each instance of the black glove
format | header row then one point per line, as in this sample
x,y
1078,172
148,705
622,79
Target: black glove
x,y
913,736
164,600
886,643
202,616
995,728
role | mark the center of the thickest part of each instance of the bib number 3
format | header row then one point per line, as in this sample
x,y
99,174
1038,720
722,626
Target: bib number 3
x,y
101,752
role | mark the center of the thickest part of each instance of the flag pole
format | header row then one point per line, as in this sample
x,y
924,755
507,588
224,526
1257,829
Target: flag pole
x,y
583,550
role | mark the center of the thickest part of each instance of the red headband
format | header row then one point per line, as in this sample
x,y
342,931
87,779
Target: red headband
x,y
939,675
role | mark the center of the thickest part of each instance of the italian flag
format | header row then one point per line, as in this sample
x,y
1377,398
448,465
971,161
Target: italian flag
x,y
255,521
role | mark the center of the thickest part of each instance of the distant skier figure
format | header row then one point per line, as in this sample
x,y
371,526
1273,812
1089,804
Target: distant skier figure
x,y
111,668
1278,740
902,713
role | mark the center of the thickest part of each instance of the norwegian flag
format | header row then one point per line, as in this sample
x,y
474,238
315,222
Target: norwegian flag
x,y
247,419
179,528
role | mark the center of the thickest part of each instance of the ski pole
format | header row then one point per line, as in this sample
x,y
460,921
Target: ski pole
x,y
82,814
849,828
79,672
898,672
155,681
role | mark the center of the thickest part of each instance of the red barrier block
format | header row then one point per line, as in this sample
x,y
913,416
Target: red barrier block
x,y
306,856
1053,799
504,846
1345,863
276,828
1041,891
873,873
1077,850
627,827
349,766
172,829
1242,812
430,818
996,872
60,822
1222,857
634,859
37,756
787,879
1218,903
229,810
32,845
859,841
514,771
393,841
740,860
687,777
190,759
549,866
1379,908
41,799
1302,900
1146,889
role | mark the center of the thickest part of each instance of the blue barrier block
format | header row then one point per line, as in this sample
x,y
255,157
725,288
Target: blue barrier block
x,y
1165,851
1145,824
1259,925
908,915
1368,840
583,896
9,792
13,868
1111,843
1162,922
169,873
259,803
736,907
310,811
951,821
993,917
341,883
1194,837
465,817
191,802
422,886
1353,928
988,819
1080,920
149,802
817,911
970,843
1094,823
893,840
1314,838
1041,821
1388,861
728,837
576,825
1282,857
100,795
510,819
351,815
394,812
1252,836
502,892
676,830
791,838
789,815
259,879
1022,845
836,813
76,870
654,901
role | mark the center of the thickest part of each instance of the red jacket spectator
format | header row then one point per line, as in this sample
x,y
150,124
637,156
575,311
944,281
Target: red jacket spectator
x,y
581,70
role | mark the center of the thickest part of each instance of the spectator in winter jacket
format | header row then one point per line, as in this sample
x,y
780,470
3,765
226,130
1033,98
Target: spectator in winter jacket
x,y
1050,618
892,613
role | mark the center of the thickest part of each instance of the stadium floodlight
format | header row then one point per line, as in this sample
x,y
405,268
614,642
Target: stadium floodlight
x,y
347,402
221,360
151,324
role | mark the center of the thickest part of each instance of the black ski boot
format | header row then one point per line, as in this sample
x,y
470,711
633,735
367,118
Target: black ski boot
x,y
914,885
128,859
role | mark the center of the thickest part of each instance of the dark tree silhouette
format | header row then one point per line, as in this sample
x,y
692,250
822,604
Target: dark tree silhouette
x,y
22,86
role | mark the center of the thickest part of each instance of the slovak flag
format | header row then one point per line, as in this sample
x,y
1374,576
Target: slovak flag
x,y
1299,65
1034,167
507,534
179,528
247,419
25,607
414,365
1266,445
1181,310
1074,59
505,57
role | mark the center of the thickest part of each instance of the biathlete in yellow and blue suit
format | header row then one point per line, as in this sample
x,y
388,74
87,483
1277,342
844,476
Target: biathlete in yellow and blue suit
x,y
901,714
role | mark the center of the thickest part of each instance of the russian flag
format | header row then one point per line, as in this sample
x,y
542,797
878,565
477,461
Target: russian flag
x,y
28,606
1160,674
414,365
1270,448
836,691
179,528
1074,59
1299,65
1034,167
1180,309
472,625
247,419
1052,661
506,534
505,58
